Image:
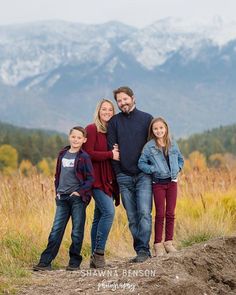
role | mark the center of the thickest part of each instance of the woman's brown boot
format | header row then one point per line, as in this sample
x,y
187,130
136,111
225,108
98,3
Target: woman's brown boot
x,y
97,260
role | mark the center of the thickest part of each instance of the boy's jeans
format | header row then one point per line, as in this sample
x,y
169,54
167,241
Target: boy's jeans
x,y
102,221
66,206
136,194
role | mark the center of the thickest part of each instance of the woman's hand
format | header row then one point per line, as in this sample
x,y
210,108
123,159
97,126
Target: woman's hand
x,y
116,147
116,154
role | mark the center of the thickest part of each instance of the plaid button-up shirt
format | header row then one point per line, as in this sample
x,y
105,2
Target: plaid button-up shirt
x,y
83,172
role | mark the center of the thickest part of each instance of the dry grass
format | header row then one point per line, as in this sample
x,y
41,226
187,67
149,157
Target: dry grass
x,y
206,207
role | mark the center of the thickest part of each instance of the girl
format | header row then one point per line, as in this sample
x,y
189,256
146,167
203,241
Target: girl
x,y
162,159
104,187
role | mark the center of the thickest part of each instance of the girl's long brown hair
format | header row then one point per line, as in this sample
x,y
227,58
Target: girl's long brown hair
x,y
166,139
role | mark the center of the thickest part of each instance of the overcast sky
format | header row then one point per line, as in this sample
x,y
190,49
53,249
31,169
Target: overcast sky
x,y
138,13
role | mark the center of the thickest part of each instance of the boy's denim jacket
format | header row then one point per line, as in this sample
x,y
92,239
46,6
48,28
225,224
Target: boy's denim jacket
x,y
152,160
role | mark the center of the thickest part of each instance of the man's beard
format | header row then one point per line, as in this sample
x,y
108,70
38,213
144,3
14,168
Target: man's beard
x,y
126,108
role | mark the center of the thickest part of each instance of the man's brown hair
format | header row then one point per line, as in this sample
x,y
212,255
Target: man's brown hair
x,y
124,89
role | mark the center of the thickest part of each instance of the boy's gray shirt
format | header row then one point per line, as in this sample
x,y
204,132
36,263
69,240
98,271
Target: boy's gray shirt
x,y
68,182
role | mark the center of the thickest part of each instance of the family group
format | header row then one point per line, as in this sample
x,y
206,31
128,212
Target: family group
x,y
129,155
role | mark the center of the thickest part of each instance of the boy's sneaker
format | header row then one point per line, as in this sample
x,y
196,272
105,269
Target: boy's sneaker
x,y
72,267
42,266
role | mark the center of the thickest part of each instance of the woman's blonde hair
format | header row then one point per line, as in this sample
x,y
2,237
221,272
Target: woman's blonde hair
x,y
166,139
101,127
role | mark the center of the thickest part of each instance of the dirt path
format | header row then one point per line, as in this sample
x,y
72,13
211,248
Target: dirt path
x,y
207,269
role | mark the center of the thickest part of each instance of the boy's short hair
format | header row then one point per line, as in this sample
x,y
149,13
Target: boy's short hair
x,y
79,128
124,89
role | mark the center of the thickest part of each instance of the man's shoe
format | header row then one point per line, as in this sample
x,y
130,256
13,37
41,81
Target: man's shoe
x,y
72,267
141,257
42,266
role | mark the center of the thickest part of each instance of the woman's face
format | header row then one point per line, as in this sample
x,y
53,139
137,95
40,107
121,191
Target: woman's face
x,y
106,112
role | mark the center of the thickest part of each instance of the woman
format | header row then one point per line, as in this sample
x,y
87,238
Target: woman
x,y
104,187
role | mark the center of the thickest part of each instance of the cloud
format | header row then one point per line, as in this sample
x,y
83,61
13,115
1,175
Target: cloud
x,y
134,12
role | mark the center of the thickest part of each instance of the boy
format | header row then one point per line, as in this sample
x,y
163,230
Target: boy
x,y
73,183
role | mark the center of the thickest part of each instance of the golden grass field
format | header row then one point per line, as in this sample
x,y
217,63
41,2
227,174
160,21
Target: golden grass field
x,y
206,208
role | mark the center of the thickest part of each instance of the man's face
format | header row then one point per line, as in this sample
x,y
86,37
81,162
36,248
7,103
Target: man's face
x,y
124,102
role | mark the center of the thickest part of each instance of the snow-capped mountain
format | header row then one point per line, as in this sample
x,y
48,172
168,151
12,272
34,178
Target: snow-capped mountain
x,y
179,69
155,44
35,49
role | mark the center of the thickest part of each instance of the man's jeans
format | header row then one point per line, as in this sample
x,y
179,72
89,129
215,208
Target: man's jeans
x,y
102,221
66,206
136,194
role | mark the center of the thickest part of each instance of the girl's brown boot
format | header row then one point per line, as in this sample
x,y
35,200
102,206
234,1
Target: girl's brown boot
x,y
169,247
158,249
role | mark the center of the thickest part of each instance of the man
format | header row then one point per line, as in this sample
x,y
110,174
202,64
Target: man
x,y
129,129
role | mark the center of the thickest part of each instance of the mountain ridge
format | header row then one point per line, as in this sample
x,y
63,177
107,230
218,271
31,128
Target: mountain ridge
x,y
53,73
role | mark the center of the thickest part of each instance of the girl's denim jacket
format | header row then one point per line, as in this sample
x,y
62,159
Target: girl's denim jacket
x,y
152,160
